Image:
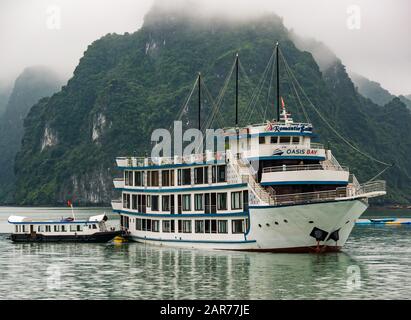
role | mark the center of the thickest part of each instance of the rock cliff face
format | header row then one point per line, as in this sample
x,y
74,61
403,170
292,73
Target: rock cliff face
x,y
34,83
128,85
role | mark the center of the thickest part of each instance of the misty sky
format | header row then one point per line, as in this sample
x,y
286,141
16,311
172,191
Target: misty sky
x,y
380,49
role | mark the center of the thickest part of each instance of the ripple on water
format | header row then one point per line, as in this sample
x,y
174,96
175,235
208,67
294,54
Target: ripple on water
x,y
379,256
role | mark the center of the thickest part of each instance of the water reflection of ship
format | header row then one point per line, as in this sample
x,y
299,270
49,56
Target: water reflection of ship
x,y
172,273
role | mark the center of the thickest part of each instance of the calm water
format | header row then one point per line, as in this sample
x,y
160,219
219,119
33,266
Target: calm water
x,y
379,258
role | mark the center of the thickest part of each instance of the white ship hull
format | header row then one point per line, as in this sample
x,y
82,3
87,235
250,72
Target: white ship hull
x,y
265,235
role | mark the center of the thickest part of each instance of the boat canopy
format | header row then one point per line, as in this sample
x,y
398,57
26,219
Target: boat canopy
x,y
17,219
25,220
99,218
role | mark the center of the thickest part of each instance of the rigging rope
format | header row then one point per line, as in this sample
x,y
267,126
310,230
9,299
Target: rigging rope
x,y
184,106
257,91
332,128
269,88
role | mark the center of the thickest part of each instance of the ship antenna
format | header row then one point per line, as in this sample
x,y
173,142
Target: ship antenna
x,y
278,82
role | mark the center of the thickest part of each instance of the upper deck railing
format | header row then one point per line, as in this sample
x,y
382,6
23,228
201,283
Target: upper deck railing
x,y
161,161
305,168
315,145
368,190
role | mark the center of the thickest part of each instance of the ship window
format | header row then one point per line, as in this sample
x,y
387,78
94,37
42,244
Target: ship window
x,y
186,177
179,174
165,203
198,201
155,226
238,226
222,201
274,140
221,174
213,226
48,228
128,178
144,224
149,201
261,140
148,225
138,178
79,228
187,202
138,224
199,175
166,226
134,202
126,200
56,228
16,229
285,140
155,181
73,228
154,203
165,178
186,226
222,226
172,224
295,140
236,200
205,174
199,226
40,228
207,226
94,226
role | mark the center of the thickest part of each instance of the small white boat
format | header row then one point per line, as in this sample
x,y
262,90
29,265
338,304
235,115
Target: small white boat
x,y
93,230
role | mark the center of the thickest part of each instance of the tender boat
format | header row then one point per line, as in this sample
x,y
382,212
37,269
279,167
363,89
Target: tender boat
x,y
93,230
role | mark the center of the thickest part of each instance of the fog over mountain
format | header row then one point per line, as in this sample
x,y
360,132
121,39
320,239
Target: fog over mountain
x,y
57,33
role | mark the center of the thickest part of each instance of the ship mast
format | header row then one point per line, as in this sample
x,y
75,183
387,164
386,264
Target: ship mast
x,y
236,106
278,82
236,92
199,101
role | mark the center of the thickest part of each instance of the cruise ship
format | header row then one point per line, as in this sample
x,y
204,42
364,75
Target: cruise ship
x,y
272,189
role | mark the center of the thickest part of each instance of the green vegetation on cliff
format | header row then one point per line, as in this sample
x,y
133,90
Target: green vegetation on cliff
x,y
128,85
33,84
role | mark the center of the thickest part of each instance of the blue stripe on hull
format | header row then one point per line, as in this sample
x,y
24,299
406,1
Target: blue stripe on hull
x,y
187,189
193,241
178,216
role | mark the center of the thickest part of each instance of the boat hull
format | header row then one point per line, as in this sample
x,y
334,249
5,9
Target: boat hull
x,y
98,237
287,229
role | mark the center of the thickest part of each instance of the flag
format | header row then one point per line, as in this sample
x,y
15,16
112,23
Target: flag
x,y
69,203
282,103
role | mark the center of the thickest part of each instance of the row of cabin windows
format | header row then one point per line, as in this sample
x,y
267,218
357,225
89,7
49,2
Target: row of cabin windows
x,y
53,228
203,202
185,226
184,177
279,140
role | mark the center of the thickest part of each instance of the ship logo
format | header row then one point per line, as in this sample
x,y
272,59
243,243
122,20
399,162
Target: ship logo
x,y
278,152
